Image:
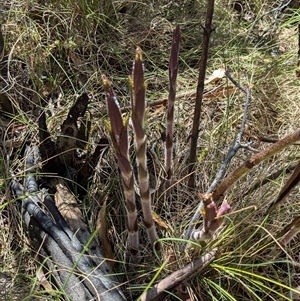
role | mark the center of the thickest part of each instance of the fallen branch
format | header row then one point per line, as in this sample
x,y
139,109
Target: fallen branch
x,y
166,284
65,255
253,161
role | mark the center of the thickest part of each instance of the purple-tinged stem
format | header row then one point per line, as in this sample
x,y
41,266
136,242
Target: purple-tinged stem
x,y
212,218
138,121
173,71
119,135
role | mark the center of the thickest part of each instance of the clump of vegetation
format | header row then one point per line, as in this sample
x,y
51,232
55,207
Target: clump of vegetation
x,y
242,182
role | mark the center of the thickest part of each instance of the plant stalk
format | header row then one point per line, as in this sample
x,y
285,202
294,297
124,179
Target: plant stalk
x,y
200,90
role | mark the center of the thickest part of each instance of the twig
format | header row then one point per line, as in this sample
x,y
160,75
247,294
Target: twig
x,y
237,143
230,155
287,188
270,178
200,89
285,236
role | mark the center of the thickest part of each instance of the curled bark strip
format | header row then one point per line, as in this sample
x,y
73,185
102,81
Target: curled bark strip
x,y
178,276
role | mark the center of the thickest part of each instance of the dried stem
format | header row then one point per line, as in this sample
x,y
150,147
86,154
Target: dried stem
x,y
286,235
138,121
287,188
119,136
200,90
173,71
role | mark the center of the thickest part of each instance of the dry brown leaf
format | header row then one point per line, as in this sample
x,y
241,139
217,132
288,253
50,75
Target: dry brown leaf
x,y
44,282
158,110
159,221
102,228
216,76
219,92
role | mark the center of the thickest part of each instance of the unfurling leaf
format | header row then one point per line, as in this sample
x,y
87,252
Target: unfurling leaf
x,y
113,109
138,121
119,137
212,218
139,90
159,221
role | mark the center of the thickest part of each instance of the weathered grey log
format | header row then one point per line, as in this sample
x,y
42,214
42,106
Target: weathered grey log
x,y
79,272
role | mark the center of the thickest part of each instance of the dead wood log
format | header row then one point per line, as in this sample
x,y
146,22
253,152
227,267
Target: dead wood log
x,y
77,269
